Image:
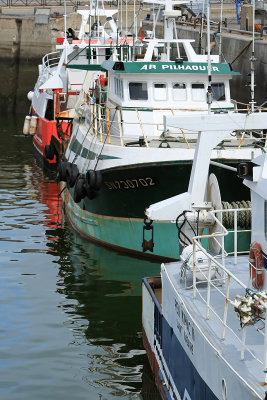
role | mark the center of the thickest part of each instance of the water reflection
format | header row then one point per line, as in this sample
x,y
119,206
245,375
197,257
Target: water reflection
x,y
70,311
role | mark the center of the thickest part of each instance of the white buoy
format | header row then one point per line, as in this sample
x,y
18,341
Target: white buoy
x,y
30,95
26,126
33,125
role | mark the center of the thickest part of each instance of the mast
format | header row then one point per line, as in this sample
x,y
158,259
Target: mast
x,y
252,63
209,91
65,28
220,41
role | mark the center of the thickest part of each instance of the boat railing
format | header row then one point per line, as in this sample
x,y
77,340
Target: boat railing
x,y
50,61
105,120
228,286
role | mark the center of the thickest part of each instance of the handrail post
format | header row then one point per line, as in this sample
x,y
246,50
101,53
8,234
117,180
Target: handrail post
x,y
95,120
141,126
119,126
226,306
100,123
194,271
235,237
265,350
208,291
244,334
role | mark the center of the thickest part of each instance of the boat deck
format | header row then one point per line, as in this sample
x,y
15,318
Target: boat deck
x,y
251,368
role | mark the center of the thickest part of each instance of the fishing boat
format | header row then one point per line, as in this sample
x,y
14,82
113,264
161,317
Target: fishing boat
x,y
57,88
122,155
204,317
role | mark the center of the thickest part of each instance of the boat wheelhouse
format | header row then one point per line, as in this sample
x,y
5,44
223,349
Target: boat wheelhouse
x,y
204,318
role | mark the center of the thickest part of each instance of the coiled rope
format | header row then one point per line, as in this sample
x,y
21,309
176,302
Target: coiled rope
x,y
243,217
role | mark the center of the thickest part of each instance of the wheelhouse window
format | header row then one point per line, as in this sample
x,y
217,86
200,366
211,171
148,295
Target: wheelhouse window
x,y
179,91
198,92
218,91
160,91
118,87
138,90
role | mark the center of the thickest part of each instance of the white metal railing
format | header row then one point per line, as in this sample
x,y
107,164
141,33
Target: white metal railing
x,y
51,60
109,120
222,285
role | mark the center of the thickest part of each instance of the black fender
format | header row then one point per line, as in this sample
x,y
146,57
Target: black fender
x,y
62,170
79,190
72,173
94,179
49,151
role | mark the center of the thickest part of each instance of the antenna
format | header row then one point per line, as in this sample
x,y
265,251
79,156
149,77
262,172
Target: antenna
x,y
220,41
209,91
65,28
252,61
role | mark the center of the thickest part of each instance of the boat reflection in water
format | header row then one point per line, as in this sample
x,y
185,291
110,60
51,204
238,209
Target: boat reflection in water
x,y
101,297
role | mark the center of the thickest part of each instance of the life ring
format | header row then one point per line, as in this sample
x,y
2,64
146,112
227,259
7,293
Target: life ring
x,y
255,266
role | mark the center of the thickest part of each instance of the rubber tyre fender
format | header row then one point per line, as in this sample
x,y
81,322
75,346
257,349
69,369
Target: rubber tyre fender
x,y
72,173
62,171
98,180
79,190
91,178
49,151
89,191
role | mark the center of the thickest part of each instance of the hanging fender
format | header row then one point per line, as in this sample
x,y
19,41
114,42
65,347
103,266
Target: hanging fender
x,y
255,267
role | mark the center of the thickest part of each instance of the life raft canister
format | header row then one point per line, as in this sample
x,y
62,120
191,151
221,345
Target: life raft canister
x,y
255,267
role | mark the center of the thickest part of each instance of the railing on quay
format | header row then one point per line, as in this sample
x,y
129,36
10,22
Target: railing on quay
x,y
54,3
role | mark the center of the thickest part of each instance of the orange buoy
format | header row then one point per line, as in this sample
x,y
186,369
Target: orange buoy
x,y
255,266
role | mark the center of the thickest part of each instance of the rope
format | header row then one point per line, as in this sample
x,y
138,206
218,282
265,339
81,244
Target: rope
x,y
243,217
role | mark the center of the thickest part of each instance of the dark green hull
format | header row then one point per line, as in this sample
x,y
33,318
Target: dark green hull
x,y
115,216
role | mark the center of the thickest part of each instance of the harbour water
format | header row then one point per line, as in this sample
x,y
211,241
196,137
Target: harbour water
x,y
71,325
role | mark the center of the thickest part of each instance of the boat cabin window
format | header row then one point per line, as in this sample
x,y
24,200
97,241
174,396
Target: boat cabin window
x,y
218,91
179,91
198,92
138,90
118,87
160,91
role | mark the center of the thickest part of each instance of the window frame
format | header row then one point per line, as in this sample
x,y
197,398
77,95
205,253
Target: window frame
x,y
220,83
166,90
204,87
186,94
142,82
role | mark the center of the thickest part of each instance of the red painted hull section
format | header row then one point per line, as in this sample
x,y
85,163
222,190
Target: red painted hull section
x,y
45,130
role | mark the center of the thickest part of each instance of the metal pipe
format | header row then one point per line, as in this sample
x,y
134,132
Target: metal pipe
x,y
194,271
265,350
252,59
243,343
235,237
226,306
208,292
216,164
